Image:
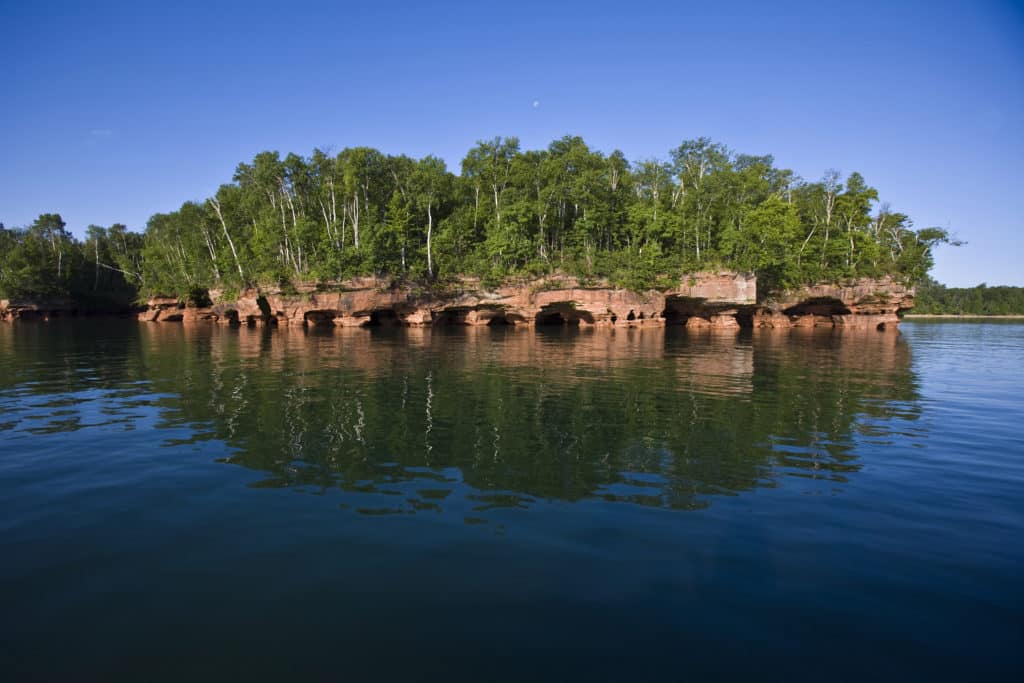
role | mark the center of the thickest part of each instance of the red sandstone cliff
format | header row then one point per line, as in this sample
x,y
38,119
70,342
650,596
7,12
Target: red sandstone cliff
x,y
860,304
714,300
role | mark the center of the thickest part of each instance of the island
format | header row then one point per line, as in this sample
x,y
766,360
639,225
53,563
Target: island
x,y
708,238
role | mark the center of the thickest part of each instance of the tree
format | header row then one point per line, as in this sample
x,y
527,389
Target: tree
x,y
489,164
431,186
564,208
697,164
391,241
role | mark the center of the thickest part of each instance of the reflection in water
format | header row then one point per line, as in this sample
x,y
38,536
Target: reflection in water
x,y
469,420
181,502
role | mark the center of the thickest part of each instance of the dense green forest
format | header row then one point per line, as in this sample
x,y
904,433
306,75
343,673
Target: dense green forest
x,y
935,298
567,209
44,260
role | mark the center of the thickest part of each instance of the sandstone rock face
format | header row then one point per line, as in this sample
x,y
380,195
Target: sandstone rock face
x,y
864,296
711,300
859,304
162,308
718,288
777,320
36,309
191,314
555,300
724,321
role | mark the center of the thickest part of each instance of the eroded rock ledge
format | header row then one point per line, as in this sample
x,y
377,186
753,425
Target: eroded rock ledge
x,y
48,308
858,304
711,300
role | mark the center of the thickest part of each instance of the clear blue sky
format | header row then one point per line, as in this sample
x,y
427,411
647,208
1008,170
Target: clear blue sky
x,y
111,112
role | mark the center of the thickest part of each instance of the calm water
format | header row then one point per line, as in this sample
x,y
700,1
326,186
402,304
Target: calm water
x,y
480,504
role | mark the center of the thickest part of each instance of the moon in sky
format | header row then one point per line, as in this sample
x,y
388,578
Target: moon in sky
x,y
536,103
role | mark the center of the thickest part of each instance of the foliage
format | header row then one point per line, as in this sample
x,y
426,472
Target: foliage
x,y
565,209
935,298
45,261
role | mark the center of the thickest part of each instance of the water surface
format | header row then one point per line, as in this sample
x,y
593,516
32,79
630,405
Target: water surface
x,y
480,504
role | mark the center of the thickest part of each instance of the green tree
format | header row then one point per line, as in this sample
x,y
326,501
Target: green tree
x,y
431,186
565,208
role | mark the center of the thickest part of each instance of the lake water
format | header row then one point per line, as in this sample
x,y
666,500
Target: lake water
x,y
200,502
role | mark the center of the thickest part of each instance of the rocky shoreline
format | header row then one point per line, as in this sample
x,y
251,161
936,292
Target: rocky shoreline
x,y
710,300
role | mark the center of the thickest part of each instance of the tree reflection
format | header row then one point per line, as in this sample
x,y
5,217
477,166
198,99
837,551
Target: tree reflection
x,y
476,419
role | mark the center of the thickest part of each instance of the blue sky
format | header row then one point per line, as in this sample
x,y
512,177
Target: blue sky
x,y
114,111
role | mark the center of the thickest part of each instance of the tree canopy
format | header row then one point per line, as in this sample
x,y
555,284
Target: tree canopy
x,y
935,298
567,208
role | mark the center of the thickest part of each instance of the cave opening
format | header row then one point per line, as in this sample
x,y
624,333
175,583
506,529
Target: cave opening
x,y
449,317
679,309
322,318
822,306
383,317
549,318
499,320
673,316
563,313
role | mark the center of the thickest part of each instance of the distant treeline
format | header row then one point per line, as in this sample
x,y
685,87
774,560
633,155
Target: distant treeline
x,y
566,209
935,298
44,261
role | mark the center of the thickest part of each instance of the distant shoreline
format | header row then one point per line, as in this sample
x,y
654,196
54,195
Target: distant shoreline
x,y
964,315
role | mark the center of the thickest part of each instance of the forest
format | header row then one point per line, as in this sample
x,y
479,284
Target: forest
x,y
935,298
508,212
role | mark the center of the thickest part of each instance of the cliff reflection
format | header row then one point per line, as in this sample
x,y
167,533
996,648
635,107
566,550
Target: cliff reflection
x,y
474,419
466,420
